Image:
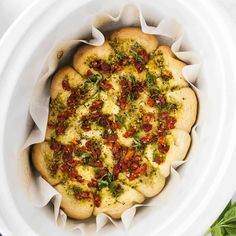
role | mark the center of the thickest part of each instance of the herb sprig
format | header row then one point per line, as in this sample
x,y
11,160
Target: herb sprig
x,y
225,225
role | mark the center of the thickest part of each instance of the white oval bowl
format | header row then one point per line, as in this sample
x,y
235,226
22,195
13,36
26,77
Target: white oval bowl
x,y
206,184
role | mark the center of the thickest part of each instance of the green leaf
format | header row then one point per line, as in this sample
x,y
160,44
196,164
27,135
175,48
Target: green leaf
x,y
225,225
230,215
217,231
222,214
231,230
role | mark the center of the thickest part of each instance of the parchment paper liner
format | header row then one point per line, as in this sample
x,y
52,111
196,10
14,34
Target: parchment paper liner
x,y
170,33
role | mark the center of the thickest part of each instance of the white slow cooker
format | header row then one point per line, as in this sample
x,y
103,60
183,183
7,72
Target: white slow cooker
x,y
207,179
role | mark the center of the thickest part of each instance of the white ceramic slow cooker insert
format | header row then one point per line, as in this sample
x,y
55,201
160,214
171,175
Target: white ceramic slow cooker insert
x,y
207,178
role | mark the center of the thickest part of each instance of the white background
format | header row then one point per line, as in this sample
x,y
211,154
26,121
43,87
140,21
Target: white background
x,y
11,9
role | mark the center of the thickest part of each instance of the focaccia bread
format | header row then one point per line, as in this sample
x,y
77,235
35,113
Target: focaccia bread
x,y
119,117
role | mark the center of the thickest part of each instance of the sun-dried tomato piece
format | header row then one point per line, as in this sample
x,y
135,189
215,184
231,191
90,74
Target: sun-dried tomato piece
x,y
101,172
166,75
61,127
66,85
129,133
115,125
143,53
106,85
84,195
161,100
147,127
93,183
148,117
63,116
163,145
170,122
111,138
56,146
137,172
149,138
150,102
130,153
97,200
159,159
105,68
95,163
96,105
139,66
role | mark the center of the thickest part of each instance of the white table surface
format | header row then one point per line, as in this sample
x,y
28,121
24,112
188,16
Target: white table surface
x,y
11,9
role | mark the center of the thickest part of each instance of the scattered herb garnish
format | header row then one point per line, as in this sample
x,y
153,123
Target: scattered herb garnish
x,y
151,79
116,189
136,56
105,181
137,142
225,225
96,78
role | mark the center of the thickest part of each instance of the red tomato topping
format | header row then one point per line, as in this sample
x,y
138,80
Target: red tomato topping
x,y
84,195
161,100
162,145
101,172
150,102
148,117
93,183
139,66
106,85
97,200
147,127
144,55
61,127
111,138
170,123
129,155
96,105
66,85
165,74
95,163
64,115
149,138
137,172
55,146
105,68
129,133
115,125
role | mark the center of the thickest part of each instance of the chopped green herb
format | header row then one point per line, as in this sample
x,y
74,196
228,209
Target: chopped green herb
x,y
96,78
136,56
116,189
151,79
137,142
57,104
105,181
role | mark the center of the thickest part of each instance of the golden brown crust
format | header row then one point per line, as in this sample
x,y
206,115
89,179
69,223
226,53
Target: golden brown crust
x,y
81,63
74,208
116,206
147,41
175,66
64,73
179,145
187,100
151,185
41,151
